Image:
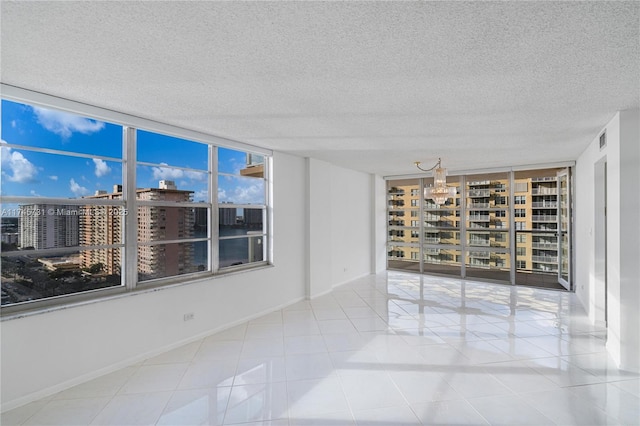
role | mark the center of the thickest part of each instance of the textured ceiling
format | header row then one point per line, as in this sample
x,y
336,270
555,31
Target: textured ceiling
x,y
372,86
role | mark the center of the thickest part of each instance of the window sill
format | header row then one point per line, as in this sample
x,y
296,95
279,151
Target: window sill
x,y
119,292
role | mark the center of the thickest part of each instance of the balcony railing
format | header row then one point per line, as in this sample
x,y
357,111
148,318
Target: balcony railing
x,y
478,205
544,204
478,217
479,243
476,193
545,259
544,218
544,245
544,191
432,240
480,254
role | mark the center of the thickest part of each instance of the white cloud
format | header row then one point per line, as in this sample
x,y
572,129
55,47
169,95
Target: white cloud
x,y
222,194
53,177
202,195
34,193
196,176
160,173
252,194
101,167
65,124
77,189
19,168
13,123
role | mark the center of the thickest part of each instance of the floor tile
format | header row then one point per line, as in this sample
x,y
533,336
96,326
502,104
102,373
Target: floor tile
x,y
457,412
371,389
68,412
155,378
253,403
183,353
208,374
196,407
308,366
508,410
137,409
260,370
314,398
397,416
107,385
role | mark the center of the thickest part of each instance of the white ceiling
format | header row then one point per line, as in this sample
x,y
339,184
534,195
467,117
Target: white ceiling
x,y
372,86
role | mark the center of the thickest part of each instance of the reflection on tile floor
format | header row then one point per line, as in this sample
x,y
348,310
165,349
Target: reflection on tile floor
x,y
389,349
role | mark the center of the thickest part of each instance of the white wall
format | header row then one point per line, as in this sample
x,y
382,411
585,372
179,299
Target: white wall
x,y
622,155
341,225
44,353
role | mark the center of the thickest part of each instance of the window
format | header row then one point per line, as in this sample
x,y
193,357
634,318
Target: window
x,y
520,187
520,199
521,264
242,202
501,213
521,238
414,203
520,226
414,213
520,213
521,251
166,215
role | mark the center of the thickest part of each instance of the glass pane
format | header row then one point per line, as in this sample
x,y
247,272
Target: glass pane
x,y
489,190
26,278
171,223
47,226
240,251
240,190
47,128
536,207
403,257
442,261
564,227
167,260
487,204
36,174
171,151
240,163
441,236
235,221
487,264
171,184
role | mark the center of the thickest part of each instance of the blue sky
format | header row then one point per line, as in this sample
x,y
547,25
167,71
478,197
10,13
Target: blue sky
x,y
28,173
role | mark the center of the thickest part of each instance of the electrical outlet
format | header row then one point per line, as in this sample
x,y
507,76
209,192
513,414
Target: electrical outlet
x,y
189,316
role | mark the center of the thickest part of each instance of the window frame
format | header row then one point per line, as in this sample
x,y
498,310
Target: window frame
x,y
129,243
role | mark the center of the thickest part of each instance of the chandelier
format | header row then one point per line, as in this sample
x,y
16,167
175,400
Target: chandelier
x,y
439,192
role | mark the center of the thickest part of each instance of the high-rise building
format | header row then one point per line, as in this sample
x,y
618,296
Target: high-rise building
x,y
155,223
102,225
487,211
44,226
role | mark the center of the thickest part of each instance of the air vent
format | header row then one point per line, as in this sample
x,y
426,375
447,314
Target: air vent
x,y
603,140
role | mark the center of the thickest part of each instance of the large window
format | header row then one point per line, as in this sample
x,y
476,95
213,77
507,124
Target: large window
x,y
91,207
499,226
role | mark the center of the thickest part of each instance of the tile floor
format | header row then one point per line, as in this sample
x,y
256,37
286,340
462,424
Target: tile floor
x,y
389,349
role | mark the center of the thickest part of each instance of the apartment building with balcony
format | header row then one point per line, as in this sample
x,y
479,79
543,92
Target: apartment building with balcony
x,y
155,223
43,226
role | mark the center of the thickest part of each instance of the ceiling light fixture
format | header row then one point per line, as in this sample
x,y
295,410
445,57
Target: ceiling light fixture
x,y
439,192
